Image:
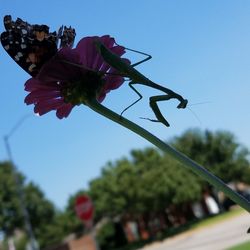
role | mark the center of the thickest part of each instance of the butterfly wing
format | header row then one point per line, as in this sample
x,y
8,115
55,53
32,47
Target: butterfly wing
x,y
30,46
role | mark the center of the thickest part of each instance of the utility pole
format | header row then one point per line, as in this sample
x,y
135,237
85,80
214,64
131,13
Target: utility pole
x,y
20,190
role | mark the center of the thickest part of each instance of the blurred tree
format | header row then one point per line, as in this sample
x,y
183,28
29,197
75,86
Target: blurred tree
x,y
163,180
41,211
10,212
105,236
53,233
116,190
149,182
218,151
142,185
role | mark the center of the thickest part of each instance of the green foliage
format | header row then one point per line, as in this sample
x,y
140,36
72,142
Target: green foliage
x,y
105,236
242,246
41,211
61,225
21,243
10,216
218,151
111,193
163,181
55,231
148,182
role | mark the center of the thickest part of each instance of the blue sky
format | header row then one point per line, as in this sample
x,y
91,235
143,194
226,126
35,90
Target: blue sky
x,y
200,49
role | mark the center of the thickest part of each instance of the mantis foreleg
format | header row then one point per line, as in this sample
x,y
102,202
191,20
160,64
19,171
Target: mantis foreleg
x,y
154,99
153,104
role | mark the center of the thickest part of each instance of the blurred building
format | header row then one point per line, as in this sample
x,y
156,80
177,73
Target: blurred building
x,y
86,242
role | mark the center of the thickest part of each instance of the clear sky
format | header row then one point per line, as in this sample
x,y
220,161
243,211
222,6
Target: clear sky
x,y
200,49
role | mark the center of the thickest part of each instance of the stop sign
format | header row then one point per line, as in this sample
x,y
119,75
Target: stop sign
x,y
84,208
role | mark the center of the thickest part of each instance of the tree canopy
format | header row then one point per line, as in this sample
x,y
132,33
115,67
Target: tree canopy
x,y
146,183
219,151
41,211
10,216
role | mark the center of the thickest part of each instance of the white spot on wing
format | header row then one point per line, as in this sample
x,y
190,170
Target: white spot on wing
x,y
31,67
24,31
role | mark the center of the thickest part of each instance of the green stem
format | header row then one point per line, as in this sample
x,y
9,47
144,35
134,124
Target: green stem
x,y
195,167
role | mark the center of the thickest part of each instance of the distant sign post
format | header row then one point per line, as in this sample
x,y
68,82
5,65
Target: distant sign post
x,y
84,209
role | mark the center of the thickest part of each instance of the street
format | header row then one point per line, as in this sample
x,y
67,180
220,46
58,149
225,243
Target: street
x,y
221,236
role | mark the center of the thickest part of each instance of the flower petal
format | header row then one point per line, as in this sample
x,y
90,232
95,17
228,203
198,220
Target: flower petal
x,y
41,95
87,51
64,111
44,107
33,84
107,42
89,55
119,51
112,81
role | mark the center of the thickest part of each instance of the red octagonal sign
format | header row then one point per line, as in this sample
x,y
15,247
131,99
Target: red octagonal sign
x,y
84,208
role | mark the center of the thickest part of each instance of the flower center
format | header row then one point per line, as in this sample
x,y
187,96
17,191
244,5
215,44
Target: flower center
x,y
84,89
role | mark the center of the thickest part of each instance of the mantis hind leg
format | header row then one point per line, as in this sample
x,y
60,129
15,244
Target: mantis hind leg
x,y
148,57
142,61
130,84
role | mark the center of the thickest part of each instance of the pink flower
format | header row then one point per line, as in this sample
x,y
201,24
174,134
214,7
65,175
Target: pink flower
x,y
74,76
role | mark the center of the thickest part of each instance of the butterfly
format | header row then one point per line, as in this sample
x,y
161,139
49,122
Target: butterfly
x,y
30,46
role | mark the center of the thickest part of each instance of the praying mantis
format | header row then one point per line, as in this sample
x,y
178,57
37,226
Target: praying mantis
x,y
135,77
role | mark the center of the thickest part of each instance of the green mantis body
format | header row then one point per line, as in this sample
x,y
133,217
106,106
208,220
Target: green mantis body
x,y
136,77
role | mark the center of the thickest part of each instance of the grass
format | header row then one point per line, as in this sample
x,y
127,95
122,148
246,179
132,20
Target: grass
x,y
242,246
